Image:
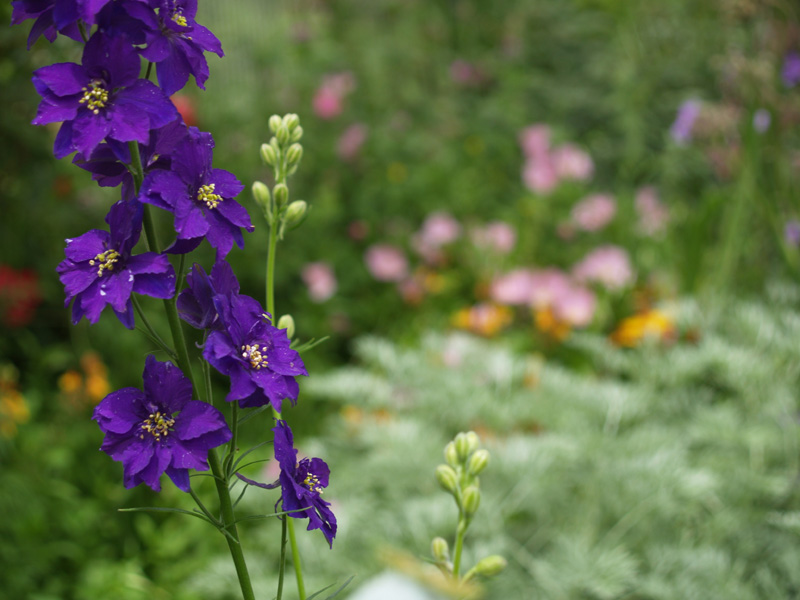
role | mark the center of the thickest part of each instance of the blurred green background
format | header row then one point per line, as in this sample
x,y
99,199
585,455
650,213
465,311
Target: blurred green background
x,y
643,430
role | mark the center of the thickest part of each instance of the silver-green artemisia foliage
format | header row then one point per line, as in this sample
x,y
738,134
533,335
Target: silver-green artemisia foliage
x,y
658,473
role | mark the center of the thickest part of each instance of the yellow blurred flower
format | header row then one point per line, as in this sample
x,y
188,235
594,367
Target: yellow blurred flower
x,y
648,325
547,322
13,407
397,172
88,387
484,319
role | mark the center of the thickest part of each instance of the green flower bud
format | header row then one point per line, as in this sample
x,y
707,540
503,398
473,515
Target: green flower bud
x,y
268,155
471,501
450,455
295,212
447,478
283,135
261,195
490,566
274,123
294,154
473,441
478,462
287,322
440,550
297,134
291,121
462,447
281,194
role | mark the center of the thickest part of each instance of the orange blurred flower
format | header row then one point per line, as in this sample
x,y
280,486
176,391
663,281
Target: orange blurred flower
x,y
548,323
484,319
13,407
88,386
648,325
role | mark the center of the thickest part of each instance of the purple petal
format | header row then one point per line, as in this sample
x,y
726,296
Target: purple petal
x,y
166,385
197,419
120,411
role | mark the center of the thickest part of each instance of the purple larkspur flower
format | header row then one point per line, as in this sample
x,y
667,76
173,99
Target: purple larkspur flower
x,y
54,16
791,69
302,484
159,429
681,130
101,98
108,163
100,271
196,302
200,197
253,353
176,43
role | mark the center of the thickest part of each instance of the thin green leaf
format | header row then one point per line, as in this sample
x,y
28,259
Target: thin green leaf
x,y
164,509
334,594
310,344
253,413
246,452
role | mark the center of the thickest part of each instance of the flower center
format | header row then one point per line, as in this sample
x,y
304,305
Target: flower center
x,y
157,425
312,483
105,261
257,356
178,18
95,96
206,194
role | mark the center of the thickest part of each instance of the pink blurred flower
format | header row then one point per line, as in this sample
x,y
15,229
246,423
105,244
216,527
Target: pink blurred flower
x,y
327,103
535,141
575,305
358,230
440,228
653,215
607,265
594,212
539,175
465,73
320,280
497,236
386,262
351,140
515,287
548,286
570,162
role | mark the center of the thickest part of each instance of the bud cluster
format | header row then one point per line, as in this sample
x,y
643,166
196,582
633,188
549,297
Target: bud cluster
x,y
459,477
282,153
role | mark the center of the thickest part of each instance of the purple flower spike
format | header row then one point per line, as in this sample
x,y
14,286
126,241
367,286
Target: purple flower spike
x,y
176,44
302,484
200,197
196,303
791,69
681,130
161,429
99,269
253,353
52,17
101,98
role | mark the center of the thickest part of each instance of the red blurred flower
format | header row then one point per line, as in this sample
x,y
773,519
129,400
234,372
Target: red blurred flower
x,y
19,296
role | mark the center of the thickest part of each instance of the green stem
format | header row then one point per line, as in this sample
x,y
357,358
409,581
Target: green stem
x,y
273,243
461,530
220,481
283,557
301,587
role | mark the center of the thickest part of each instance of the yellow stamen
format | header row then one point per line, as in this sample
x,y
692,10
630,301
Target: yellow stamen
x,y
256,356
312,483
178,18
206,194
95,96
157,425
105,261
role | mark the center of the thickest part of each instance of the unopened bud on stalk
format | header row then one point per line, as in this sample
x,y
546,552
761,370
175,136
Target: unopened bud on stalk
x,y
490,566
478,461
450,454
291,121
294,154
447,478
471,501
281,194
274,123
283,135
261,195
473,441
297,134
295,212
440,550
462,447
287,322
268,155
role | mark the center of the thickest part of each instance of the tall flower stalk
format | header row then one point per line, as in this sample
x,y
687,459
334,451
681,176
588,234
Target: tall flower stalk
x,y
126,131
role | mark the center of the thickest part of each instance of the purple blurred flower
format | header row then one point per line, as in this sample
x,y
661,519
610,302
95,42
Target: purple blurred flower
x,y
102,97
161,429
653,215
52,17
497,236
99,269
196,302
254,354
320,280
761,120
386,262
607,265
791,233
791,69
594,212
302,484
681,130
466,73
200,197
351,140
